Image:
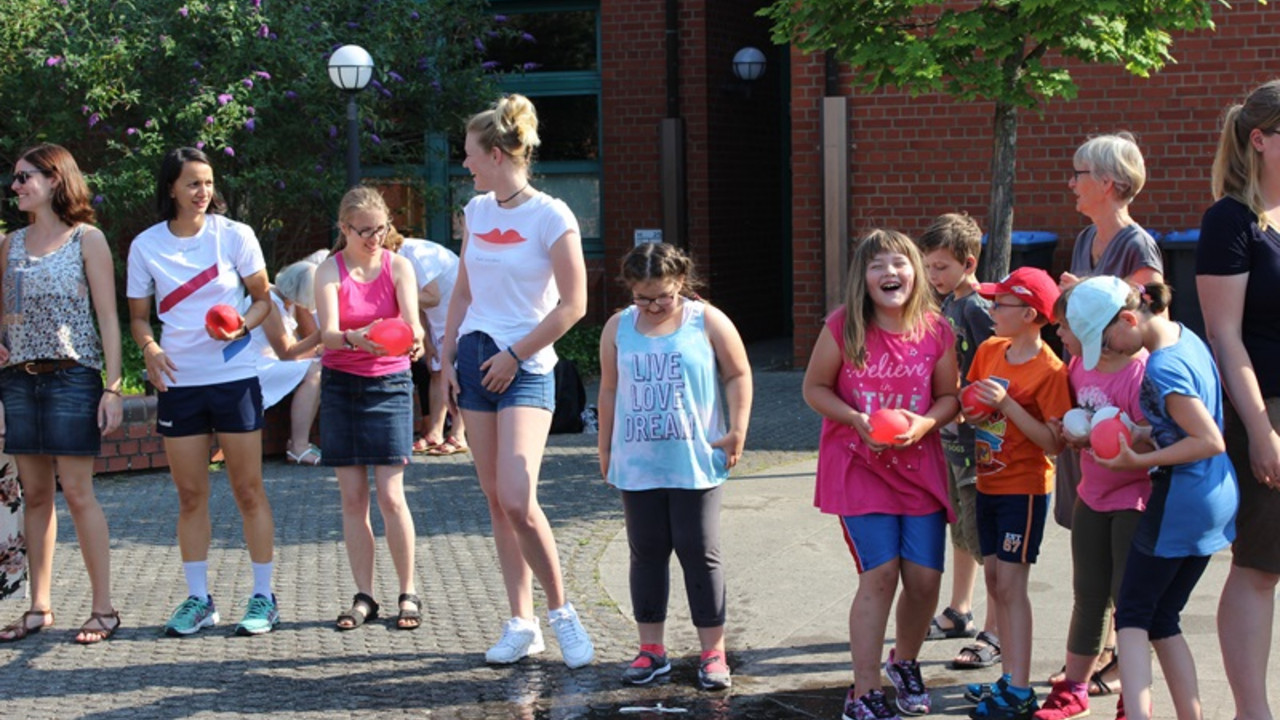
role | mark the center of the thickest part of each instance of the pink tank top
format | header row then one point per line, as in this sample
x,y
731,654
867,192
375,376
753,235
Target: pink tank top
x,y
358,305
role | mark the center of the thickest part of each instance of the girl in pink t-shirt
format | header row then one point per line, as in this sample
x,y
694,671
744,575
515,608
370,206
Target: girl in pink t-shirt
x,y
1108,505
886,348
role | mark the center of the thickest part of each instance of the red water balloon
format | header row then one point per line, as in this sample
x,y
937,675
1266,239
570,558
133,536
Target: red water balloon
x,y
971,404
224,318
887,424
1105,437
393,334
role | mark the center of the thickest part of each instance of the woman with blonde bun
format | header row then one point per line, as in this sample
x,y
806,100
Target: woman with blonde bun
x,y
522,249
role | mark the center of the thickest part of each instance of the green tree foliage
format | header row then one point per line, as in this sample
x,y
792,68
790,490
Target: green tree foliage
x,y
1012,52
120,82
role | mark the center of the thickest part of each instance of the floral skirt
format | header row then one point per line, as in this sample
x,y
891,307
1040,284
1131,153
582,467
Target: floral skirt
x,y
13,548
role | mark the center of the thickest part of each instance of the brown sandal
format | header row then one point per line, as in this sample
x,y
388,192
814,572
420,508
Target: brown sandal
x,y
90,636
20,629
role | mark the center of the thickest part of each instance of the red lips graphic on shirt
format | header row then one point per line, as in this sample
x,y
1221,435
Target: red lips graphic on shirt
x,y
501,237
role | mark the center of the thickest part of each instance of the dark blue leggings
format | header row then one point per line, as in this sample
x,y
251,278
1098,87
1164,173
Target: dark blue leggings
x,y
1154,591
687,521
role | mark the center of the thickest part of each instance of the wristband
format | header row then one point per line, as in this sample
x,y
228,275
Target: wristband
x,y
513,354
113,392
345,342
149,342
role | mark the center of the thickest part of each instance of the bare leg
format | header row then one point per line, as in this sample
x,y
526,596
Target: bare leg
x,y
516,575
243,452
398,521
711,638
40,526
1246,613
1016,623
522,432
189,467
76,475
868,617
1180,674
1134,649
433,430
357,533
920,586
303,409
652,633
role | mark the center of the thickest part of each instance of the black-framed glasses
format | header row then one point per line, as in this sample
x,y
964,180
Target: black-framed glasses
x,y
1010,305
1075,174
660,301
22,176
366,233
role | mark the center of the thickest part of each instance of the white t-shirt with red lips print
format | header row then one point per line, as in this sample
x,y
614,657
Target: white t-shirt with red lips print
x,y
508,261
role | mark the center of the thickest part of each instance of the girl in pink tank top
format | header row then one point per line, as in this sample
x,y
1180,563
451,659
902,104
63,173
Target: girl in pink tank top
x,y
366,401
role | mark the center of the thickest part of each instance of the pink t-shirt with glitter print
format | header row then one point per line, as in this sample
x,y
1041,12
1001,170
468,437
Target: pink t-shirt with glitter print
x,y
853,480
1101,489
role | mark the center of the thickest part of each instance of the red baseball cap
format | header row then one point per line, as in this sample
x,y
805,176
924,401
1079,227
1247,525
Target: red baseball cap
x,y
1032,286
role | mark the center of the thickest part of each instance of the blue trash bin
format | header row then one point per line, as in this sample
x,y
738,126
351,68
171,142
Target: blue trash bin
x,y
1032,248
1179,251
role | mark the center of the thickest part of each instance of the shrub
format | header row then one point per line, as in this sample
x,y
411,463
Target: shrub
x,y
122,82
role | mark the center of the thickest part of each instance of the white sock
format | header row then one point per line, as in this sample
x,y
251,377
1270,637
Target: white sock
x,y
197,578
262,578
565,610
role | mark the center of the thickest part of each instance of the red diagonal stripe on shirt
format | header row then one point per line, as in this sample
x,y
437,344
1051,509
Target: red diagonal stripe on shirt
x,y
185,289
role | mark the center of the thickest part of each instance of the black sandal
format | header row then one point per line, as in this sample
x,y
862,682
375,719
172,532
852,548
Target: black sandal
x,y
1098,684
363,608
985,653
961,626
409,619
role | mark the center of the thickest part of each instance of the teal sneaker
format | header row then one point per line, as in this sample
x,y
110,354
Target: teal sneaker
x,y
262,615
191,617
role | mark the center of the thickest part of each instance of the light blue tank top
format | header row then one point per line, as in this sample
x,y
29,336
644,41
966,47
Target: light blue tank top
x,y
667,407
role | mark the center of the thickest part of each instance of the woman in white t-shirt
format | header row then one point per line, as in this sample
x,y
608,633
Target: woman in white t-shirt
x,y
289,355
522,251
206,378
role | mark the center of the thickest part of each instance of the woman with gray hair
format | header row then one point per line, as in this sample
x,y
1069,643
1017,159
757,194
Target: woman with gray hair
x,y
1108,173
288,345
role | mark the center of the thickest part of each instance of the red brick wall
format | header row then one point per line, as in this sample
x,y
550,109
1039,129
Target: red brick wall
x,y
137,446
808,294
914,158
633,97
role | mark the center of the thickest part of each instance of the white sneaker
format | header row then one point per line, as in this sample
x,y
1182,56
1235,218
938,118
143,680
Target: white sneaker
x,y
520,638
575,646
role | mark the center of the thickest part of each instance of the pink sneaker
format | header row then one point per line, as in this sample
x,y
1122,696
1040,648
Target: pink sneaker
x,y
1063,704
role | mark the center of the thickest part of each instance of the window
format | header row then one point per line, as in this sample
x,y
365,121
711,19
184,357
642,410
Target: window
x,y
555,62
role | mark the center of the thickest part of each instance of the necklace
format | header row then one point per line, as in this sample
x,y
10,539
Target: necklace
x,y
513,195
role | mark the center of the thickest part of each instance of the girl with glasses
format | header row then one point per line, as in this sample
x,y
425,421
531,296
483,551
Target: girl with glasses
x,y
670,455
366,396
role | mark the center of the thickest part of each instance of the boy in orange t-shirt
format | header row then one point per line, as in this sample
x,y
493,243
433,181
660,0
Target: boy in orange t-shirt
x,y
1025,385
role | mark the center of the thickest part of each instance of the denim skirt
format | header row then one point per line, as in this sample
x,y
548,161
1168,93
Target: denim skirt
x,y
365,420
53,413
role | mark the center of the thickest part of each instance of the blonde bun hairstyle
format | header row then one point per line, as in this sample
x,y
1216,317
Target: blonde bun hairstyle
x,y
511,125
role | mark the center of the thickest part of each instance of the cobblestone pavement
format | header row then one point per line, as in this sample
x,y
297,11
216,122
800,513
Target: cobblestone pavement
x,y
306,669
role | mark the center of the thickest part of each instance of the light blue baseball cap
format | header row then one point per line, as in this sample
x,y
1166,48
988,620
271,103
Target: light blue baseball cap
x,y
1092,306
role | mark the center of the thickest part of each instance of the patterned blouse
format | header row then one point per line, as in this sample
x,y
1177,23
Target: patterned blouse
x,y
47,310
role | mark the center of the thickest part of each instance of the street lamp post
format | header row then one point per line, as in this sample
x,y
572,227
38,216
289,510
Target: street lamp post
x,y
351,69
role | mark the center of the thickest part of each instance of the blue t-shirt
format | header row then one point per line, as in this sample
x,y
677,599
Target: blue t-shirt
x,y
1192,510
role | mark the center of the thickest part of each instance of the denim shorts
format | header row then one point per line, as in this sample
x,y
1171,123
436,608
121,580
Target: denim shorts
x,y
526,390
234,406
52,413
366,420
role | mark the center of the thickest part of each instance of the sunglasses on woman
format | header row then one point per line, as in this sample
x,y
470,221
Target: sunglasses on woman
x,y
22,176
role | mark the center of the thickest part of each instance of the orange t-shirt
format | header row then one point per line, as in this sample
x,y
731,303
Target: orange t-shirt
x,y
1009,463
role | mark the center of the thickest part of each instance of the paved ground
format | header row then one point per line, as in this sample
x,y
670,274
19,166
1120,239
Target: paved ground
x,y
790,585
